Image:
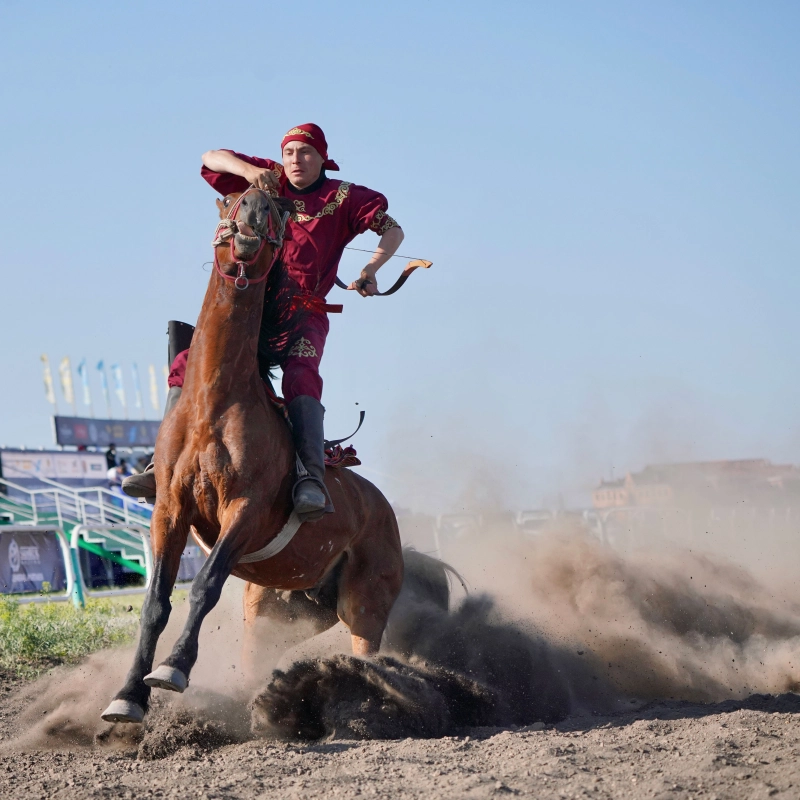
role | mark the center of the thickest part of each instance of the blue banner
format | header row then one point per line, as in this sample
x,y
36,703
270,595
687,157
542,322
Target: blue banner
x,y
76,431
30,560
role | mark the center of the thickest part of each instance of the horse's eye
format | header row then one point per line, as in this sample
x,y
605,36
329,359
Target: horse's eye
x,y
226,202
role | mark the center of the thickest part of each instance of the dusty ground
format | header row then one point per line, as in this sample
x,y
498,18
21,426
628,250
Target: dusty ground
x,y
687,627
745,749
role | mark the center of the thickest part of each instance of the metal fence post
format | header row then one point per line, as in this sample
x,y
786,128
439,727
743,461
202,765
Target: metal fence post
x,y
78,590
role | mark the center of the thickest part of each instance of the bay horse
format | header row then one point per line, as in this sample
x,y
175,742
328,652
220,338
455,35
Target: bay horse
x,y
224,464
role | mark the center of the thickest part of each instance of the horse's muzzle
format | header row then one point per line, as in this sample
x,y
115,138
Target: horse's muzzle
x,y
246,246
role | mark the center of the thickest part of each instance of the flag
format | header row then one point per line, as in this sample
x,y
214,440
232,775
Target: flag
x,y
154,389
137,389
101,368
65,373
119,387
83,374
48,382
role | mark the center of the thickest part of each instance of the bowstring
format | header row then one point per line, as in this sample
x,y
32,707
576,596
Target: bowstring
x,y
362,250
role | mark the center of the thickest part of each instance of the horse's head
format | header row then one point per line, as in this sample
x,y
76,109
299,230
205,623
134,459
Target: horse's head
x,y
250,211
249,221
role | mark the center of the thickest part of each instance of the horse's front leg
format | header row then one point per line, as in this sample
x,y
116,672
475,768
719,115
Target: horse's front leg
x,y
168,541
232,543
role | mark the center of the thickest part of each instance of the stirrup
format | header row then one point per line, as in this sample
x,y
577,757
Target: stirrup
x,y
304,475
314,512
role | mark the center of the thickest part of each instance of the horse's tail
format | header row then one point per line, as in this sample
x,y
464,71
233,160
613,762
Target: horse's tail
x,y
424,598
428,579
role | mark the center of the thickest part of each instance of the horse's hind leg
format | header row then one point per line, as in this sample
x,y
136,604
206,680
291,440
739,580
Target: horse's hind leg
x,y
369,585
296,617
168,542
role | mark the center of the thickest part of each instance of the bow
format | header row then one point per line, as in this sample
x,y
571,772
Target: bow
x,y
404,276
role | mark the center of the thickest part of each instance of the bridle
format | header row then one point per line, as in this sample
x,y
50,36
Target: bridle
x,y
228,228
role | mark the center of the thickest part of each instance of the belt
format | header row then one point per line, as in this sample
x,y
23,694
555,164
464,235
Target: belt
x,y
312,302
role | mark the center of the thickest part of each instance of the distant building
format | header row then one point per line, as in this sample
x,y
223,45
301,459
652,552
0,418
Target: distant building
x,y
755,481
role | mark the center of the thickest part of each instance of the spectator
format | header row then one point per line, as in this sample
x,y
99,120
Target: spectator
x,y
118,473
111,456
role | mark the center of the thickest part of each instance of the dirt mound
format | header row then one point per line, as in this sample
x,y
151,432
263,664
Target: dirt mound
x,y
349,698
467,669
209,721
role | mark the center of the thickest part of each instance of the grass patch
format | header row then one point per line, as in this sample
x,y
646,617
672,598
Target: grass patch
x,y
37,636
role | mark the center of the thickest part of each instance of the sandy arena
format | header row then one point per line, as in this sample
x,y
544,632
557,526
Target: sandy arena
x,y
676,673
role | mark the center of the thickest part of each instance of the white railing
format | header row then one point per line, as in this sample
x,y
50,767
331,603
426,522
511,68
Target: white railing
x,y
88,506
96,515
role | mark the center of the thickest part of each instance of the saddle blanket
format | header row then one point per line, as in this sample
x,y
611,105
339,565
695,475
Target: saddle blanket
x,y
338,456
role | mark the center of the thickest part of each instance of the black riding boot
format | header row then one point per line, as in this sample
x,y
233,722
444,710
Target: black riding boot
x,y
144,484
309,494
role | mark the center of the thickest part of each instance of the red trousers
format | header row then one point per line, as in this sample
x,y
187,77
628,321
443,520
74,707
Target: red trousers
x,y
300,368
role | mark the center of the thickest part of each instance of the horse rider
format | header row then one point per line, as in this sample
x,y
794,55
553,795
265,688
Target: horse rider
x,y
328,215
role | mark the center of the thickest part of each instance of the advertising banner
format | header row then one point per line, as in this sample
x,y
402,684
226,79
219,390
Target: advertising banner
x,y
29,560
103,432
23,466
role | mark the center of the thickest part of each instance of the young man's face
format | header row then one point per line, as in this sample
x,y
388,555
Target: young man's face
x,y
302,164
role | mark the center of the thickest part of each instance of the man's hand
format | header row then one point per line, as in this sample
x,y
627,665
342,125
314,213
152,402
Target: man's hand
x,y
223,161
367,284
262,178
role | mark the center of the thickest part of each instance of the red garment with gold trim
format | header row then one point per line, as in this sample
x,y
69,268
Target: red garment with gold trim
x,y
325,220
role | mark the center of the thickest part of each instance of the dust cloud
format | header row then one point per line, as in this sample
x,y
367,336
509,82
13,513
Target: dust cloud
x,y
655,624
556,623
62,708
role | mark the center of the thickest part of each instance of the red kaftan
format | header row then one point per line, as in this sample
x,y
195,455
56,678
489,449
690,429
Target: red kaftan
x,y
327,217
325,220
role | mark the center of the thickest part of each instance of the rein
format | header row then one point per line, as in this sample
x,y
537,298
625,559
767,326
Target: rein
x,y
228,228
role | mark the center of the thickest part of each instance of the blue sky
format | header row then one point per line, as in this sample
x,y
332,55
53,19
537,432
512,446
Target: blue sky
x,y
609,193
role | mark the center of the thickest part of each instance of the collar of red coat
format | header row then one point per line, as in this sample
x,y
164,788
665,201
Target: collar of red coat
x,y
310,188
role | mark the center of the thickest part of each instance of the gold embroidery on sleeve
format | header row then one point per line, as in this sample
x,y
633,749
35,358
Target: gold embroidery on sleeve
x,y
382,222
300,206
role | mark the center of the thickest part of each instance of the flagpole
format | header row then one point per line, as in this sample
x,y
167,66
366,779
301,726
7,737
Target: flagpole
x,y
154,390
87,392
67,386
101,368
119,388
47,374
137,389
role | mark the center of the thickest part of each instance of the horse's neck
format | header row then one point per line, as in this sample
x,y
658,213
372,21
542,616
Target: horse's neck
x,y
225,342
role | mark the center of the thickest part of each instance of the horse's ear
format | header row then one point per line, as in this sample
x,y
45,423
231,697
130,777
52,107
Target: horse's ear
x,y
219,204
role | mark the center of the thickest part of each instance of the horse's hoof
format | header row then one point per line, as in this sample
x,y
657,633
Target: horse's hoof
x,y
123,711
166,677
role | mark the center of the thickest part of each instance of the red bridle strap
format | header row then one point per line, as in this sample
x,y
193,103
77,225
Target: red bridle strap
x,y
274,236
241,281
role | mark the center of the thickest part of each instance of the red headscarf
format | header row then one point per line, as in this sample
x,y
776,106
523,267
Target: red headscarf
x,y
310,134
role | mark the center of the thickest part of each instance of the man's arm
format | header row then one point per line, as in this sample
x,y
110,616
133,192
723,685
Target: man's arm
x,y
367,284
225,161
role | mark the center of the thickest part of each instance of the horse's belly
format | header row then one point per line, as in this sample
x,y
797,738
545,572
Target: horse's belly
x,y
292,568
